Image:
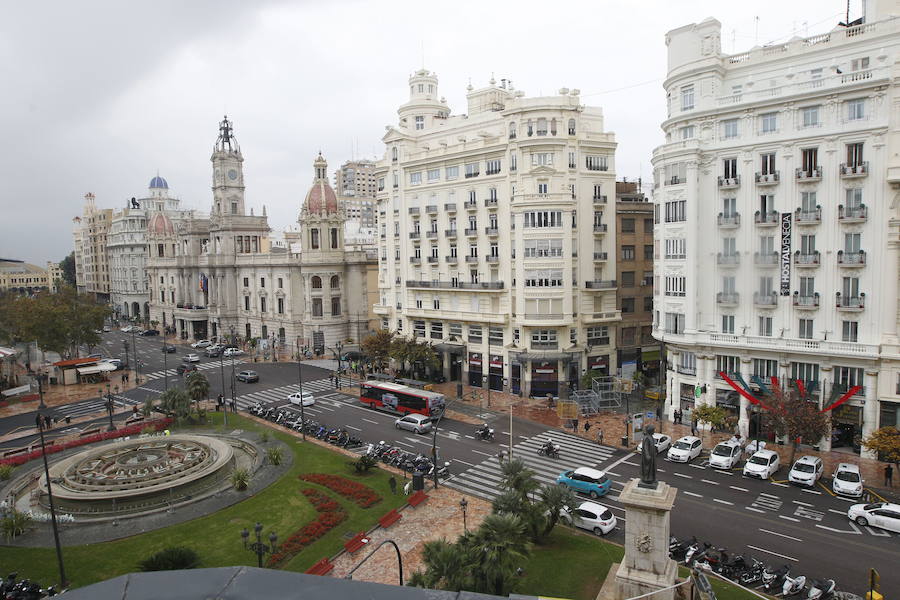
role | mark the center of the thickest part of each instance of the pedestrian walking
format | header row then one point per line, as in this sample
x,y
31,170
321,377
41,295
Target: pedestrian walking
x,y
392,483
888,476
693,426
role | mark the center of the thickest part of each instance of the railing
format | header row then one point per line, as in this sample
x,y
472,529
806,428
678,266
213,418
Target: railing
x,y
765,258
855,170
766,218
471,231
431,208
729,182
728,259
806,301
600,284
602,228
852,213
728,298
808,216
807,259
850,302
768,178
450,232
450,206
851,259
490,202
762,299
471,259
732,220
601,256
492,231
810,174
413,210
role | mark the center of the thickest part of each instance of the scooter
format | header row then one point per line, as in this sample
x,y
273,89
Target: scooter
x,y
820,589
549,448
485,433
793,585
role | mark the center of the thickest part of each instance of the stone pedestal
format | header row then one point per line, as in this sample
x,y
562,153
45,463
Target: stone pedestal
x,y
646,566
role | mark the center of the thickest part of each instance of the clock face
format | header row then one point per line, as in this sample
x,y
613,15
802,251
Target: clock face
x,y
232,174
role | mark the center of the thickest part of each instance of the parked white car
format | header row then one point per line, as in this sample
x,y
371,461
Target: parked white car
x,y
661,441
685,449
762,465
878,514
590,516
190,358
232,352
201,344
306,399
847,480
726,455
806,471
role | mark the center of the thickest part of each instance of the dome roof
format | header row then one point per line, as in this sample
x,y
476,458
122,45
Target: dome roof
x,y
160,224
321,198
159,182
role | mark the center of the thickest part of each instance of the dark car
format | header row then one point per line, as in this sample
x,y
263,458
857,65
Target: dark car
x,y
185,368
150,332
168,349
248,376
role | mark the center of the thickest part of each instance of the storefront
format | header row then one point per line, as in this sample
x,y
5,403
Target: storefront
x,y
495,370
544,379
475,369
599,365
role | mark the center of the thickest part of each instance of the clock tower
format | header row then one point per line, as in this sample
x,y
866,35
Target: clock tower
x,y
228,173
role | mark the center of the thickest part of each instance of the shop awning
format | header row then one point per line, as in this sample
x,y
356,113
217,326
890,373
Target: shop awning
x,y
98,368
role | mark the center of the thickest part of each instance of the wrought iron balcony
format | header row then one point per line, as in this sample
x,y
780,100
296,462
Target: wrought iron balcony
x,y
729,220
851,259
810,174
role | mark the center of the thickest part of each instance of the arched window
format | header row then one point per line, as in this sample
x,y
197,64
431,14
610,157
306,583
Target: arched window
x,y
335,282
553,126
512,131
316,282
571,126
394,153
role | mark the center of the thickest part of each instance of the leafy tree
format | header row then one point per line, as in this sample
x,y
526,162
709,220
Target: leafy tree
x,y
793,416
886,443
377,348
68,269
176,402
171,559
197,388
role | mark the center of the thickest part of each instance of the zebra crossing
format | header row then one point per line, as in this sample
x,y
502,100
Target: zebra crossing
x,y
200,367
483,479
90,407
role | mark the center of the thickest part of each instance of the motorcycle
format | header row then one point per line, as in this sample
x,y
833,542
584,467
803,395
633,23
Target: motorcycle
x,y
793,585
820,589
485,433
549,448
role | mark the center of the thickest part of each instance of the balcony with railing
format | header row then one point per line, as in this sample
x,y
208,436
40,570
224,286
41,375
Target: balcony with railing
x,y
727,183
471,204
601,256
765,259
600,228
452,260
850,303
471,231
431,209
491,202
413,210
766,219
860,169
808,217
852,214
416,260
807,259
729,221
768,178
851,259
471,259
450,233
599,199
600,284
808,174
492,231
765,299
450,207
728,298
431,234
728,260
808,301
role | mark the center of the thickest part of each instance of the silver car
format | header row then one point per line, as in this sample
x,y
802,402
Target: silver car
x,y
414,422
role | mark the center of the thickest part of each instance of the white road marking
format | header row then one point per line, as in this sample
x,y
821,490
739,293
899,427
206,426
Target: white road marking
x,y
789,518
780,535
755,509
723,502
692,494
710,482
682,475
740,489
772,553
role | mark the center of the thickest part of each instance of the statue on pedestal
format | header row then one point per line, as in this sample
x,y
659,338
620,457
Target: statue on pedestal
x,y
648,459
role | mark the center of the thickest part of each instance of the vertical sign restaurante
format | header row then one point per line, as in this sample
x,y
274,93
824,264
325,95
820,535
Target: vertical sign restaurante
x,y
786,254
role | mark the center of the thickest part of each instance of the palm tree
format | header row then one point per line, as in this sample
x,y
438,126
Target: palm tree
x,y
495,551
197,388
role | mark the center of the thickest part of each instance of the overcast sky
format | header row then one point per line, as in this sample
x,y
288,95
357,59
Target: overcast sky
x,y
98,96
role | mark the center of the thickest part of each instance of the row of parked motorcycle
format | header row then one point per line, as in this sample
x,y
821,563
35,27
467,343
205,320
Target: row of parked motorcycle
x,y
747,570
407,461
12,588
339,436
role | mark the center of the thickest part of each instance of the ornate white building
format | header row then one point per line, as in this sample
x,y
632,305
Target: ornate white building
x,y
220,276
778,223
496,239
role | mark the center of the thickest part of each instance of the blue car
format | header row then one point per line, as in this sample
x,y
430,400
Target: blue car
x,y
586,481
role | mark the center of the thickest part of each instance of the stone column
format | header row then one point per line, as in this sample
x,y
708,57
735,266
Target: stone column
x,y
870,409
743,419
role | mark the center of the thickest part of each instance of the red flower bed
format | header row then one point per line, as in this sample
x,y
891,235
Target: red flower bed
x,y
330,516
357,492
53,448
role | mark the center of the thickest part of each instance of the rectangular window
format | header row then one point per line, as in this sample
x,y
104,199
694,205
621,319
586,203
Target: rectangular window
x,y
687,97
495,336
768,122
452,172
729,129
728,324
849,331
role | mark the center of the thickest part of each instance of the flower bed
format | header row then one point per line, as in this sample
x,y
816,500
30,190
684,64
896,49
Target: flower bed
x,y
97,437
357,492
330,516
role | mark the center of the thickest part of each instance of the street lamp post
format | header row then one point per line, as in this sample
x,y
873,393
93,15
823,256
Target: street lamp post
x,y
463,504
259,547
63,582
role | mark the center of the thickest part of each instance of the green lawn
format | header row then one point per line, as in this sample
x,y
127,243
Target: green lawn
x,y
216,537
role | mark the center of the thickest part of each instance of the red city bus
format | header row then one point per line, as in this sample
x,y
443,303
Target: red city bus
x,y
402,399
